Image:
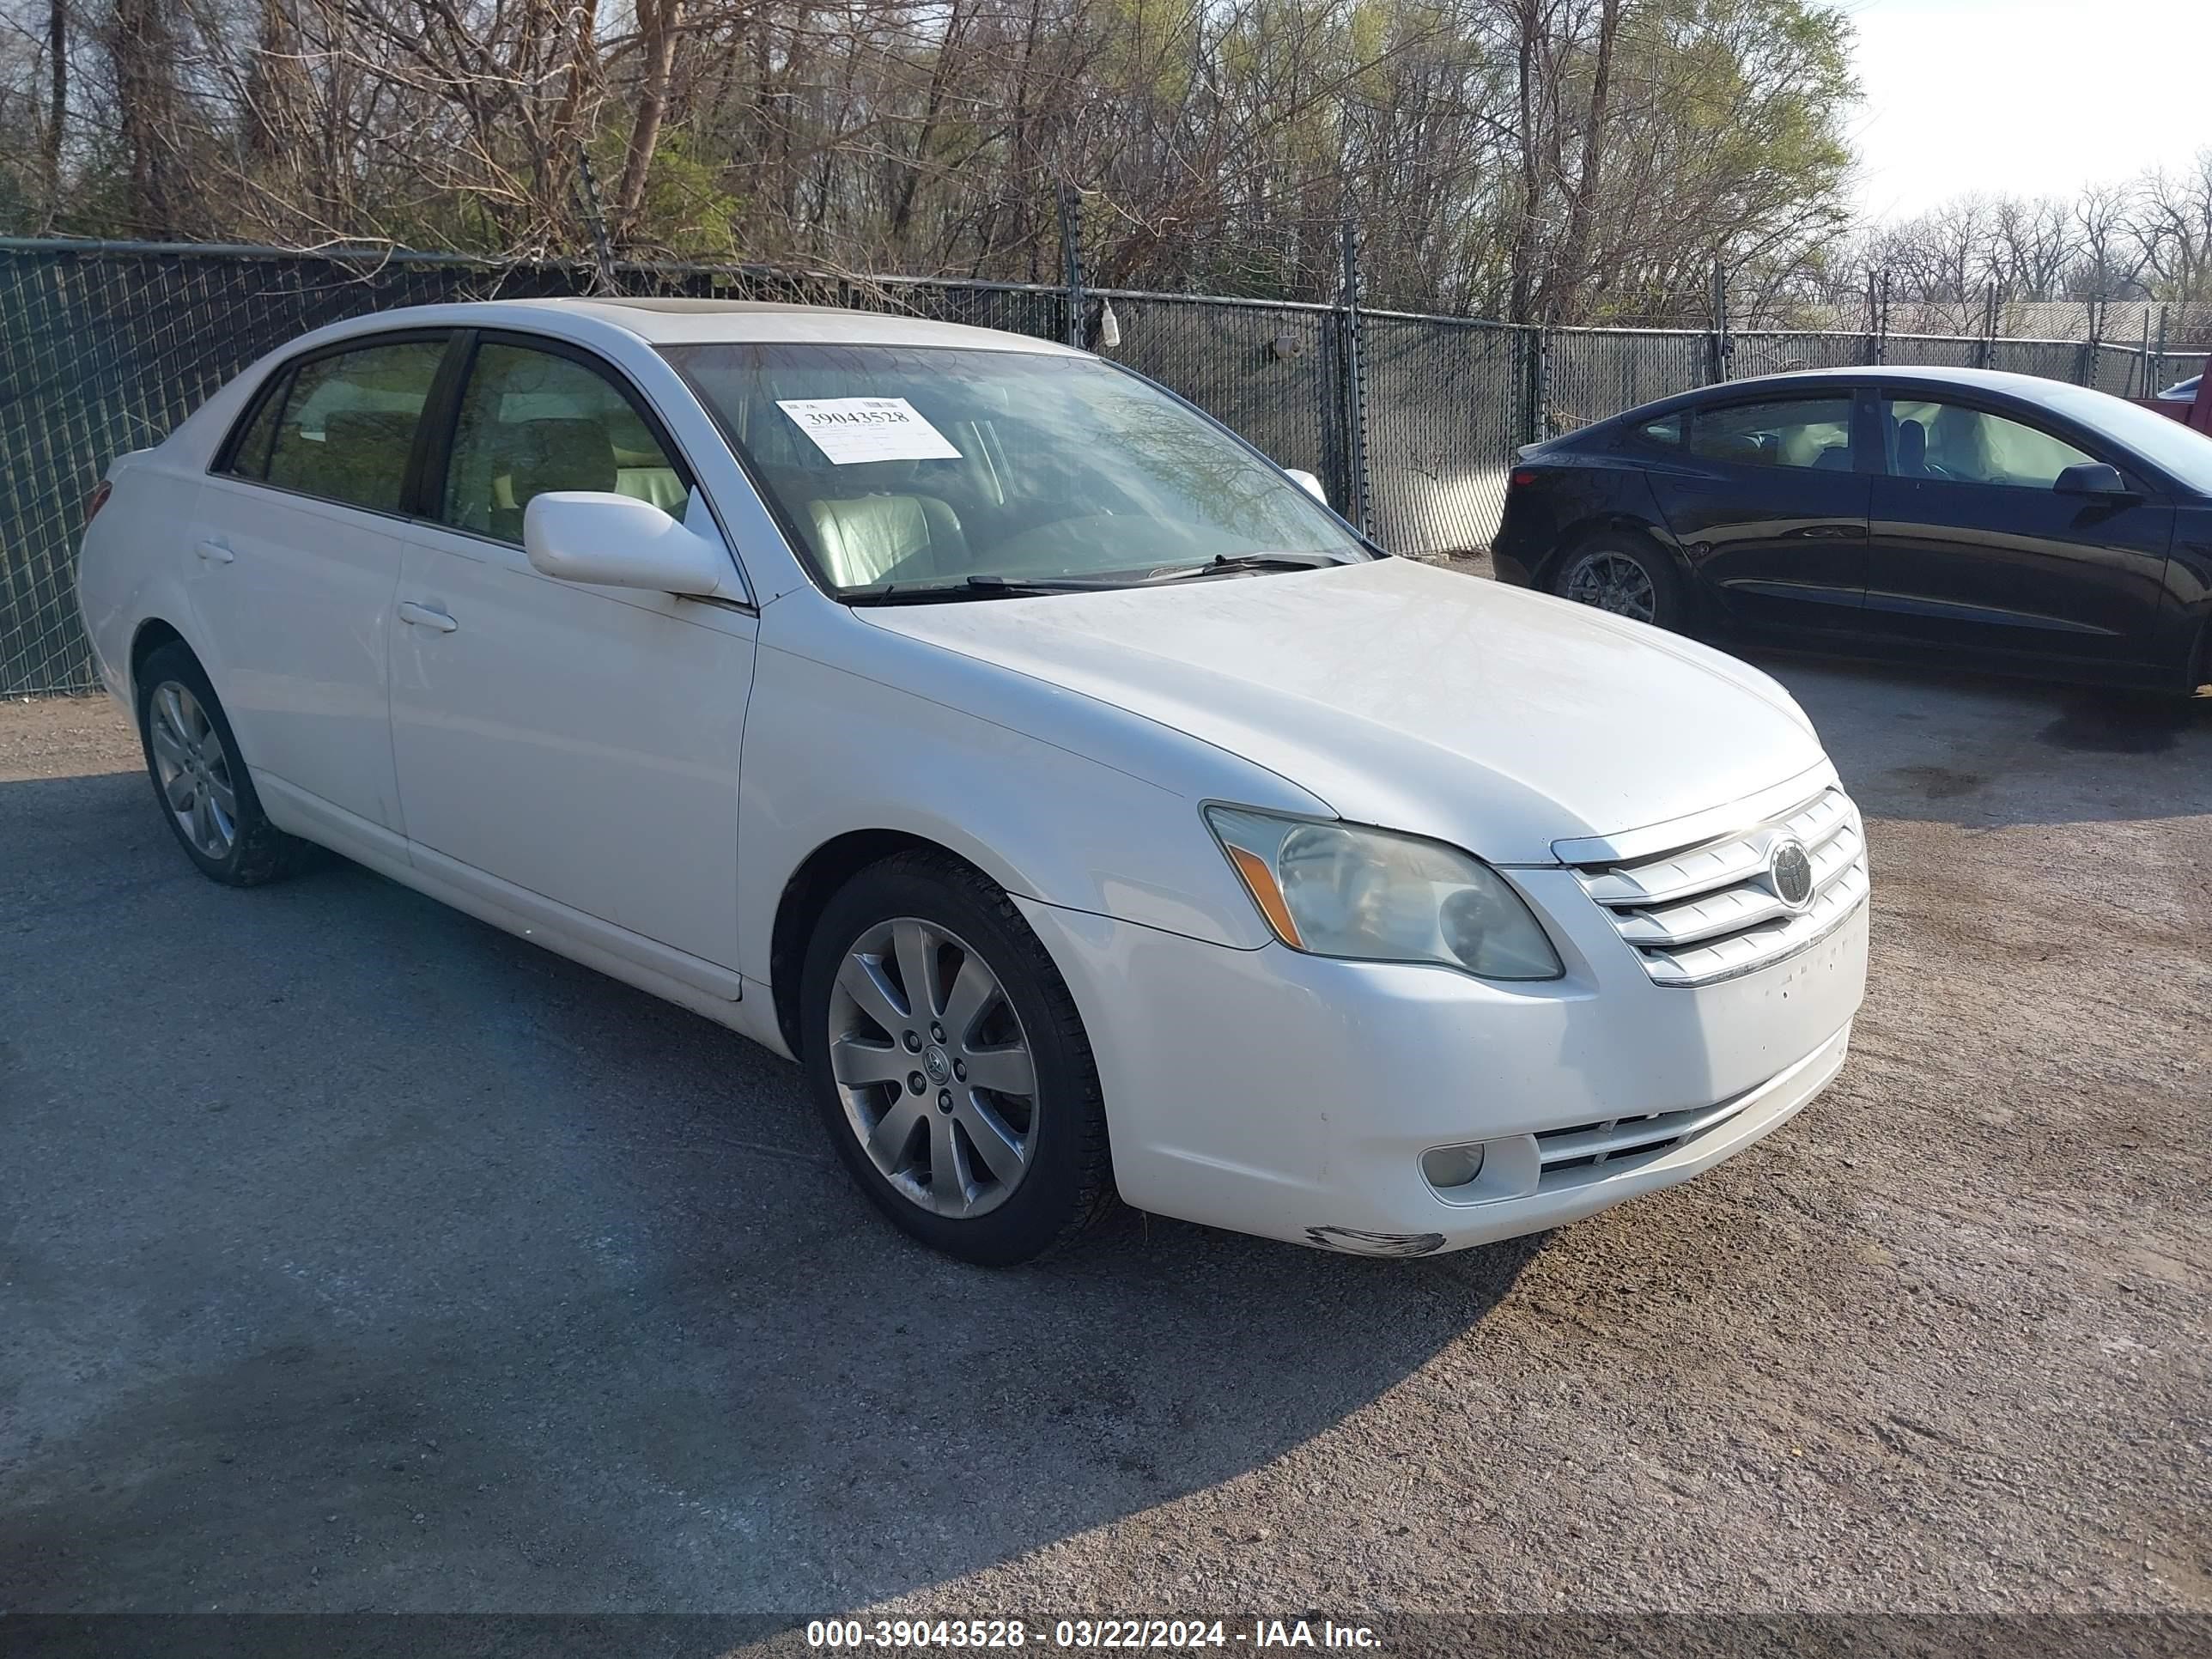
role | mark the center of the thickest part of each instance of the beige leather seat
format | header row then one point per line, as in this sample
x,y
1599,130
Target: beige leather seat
x,y
867,539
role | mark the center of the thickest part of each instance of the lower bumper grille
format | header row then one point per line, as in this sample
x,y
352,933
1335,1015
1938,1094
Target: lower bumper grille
x,y
1622,1143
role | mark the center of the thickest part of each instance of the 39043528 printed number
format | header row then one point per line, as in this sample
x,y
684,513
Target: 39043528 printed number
x,y
1122,1634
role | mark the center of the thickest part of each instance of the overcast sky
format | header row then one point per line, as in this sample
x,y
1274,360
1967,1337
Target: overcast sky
x,y
2026,96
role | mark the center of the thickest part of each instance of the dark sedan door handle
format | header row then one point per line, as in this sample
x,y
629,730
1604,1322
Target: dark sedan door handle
x,y
1827,532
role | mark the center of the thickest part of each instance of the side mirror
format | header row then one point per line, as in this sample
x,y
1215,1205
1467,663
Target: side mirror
x,y
619,541
1306,480
2091,479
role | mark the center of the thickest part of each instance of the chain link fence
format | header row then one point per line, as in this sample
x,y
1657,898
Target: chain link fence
x,y
1411,421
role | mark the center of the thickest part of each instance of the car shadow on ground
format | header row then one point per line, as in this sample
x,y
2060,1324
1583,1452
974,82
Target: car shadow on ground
x,y
364,1257
1937,746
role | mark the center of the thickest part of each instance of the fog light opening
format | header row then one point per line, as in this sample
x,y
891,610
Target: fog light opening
x,y
1447,1168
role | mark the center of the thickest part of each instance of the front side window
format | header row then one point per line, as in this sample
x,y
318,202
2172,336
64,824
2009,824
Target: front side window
x,y
348,423
1950,441
951,469
1801,432
533,421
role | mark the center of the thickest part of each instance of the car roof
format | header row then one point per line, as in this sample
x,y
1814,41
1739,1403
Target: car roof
x,y
701,322
2031,386
2023,388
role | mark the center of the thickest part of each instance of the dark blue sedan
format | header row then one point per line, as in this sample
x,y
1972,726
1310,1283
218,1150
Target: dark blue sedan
x,y
2020,524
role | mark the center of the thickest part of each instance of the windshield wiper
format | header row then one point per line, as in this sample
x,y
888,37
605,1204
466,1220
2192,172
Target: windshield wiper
x,y
1017,587
974,588
1229,562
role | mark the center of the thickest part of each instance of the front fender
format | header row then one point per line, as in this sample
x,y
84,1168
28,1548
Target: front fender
x,y
830,751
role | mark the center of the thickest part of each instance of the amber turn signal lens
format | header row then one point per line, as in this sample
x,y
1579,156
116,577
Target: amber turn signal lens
x,y
1267,895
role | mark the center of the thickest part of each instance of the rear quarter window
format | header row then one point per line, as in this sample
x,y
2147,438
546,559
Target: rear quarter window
x,y
246,454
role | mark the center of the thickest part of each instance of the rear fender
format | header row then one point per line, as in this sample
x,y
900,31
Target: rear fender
x,y
135,566
1649,527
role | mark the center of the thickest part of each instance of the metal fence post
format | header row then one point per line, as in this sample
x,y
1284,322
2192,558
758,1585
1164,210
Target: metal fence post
x,y
1526,422
1071,260
1985,351
1355,385
1717,346
1540,385
602,248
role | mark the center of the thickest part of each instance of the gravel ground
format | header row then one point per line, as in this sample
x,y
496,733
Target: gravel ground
x,y
355,1256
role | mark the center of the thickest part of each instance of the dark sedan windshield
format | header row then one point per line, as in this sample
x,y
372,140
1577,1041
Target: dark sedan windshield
x,y
924,469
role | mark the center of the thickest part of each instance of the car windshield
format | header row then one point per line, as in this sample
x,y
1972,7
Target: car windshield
x,y
2162,442
918,471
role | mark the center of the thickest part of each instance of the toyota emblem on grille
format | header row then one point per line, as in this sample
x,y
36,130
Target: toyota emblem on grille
x,y
1791,867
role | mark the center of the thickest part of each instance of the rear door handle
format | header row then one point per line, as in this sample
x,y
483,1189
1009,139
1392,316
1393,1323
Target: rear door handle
x,y
421,616
214,552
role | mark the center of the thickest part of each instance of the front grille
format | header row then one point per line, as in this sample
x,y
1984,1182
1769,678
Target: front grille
x,y
1710,912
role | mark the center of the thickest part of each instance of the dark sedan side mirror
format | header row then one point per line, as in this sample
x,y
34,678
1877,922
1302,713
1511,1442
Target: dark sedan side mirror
x,y
2092,478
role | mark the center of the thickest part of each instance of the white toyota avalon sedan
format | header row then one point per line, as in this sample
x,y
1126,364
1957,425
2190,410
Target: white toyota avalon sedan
x,y
1087,807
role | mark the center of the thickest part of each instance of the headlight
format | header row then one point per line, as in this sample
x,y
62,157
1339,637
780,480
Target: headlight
x,y
1336,890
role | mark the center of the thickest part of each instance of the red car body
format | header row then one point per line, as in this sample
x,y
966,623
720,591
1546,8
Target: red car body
x,y
2196,413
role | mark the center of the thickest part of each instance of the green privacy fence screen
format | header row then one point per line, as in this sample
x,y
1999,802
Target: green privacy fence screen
x,y
1410,421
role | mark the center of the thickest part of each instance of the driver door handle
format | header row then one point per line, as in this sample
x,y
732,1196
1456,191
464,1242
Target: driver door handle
x,y
214,553
421,616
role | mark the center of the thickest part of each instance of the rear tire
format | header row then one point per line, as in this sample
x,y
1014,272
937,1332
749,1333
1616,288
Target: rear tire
x,y
206,795
1624,577
1000,1155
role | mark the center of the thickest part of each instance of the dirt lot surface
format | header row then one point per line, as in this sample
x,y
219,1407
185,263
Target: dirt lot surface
x,y
355,1256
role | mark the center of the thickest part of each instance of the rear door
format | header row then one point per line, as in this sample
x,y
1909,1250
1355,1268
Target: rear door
x,y
295,556
1770,502
577,743
1972,548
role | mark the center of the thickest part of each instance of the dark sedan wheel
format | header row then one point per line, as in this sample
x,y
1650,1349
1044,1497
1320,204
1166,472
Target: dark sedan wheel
x,y
1619,576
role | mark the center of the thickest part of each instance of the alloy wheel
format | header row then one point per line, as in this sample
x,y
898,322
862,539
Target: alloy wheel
x,y
933,1068
193,769
1613,582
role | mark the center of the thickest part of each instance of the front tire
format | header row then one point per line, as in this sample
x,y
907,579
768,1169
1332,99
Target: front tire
x,y
206,794
949,1065
1623,577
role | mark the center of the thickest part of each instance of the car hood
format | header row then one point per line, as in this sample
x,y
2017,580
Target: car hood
x,y
1412,697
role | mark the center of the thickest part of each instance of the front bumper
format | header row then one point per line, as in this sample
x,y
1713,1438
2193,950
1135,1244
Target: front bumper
x,y
1292,1095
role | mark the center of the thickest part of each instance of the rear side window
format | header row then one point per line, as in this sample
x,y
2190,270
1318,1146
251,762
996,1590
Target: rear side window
x,y
1666,432
533,421
1800,432
347,425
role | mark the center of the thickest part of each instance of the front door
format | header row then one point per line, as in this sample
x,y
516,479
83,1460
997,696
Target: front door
x,y
1770,502
579,743
1973,549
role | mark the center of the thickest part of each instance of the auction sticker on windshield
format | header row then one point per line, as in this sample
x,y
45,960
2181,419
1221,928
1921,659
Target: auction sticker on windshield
x,y
852,430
